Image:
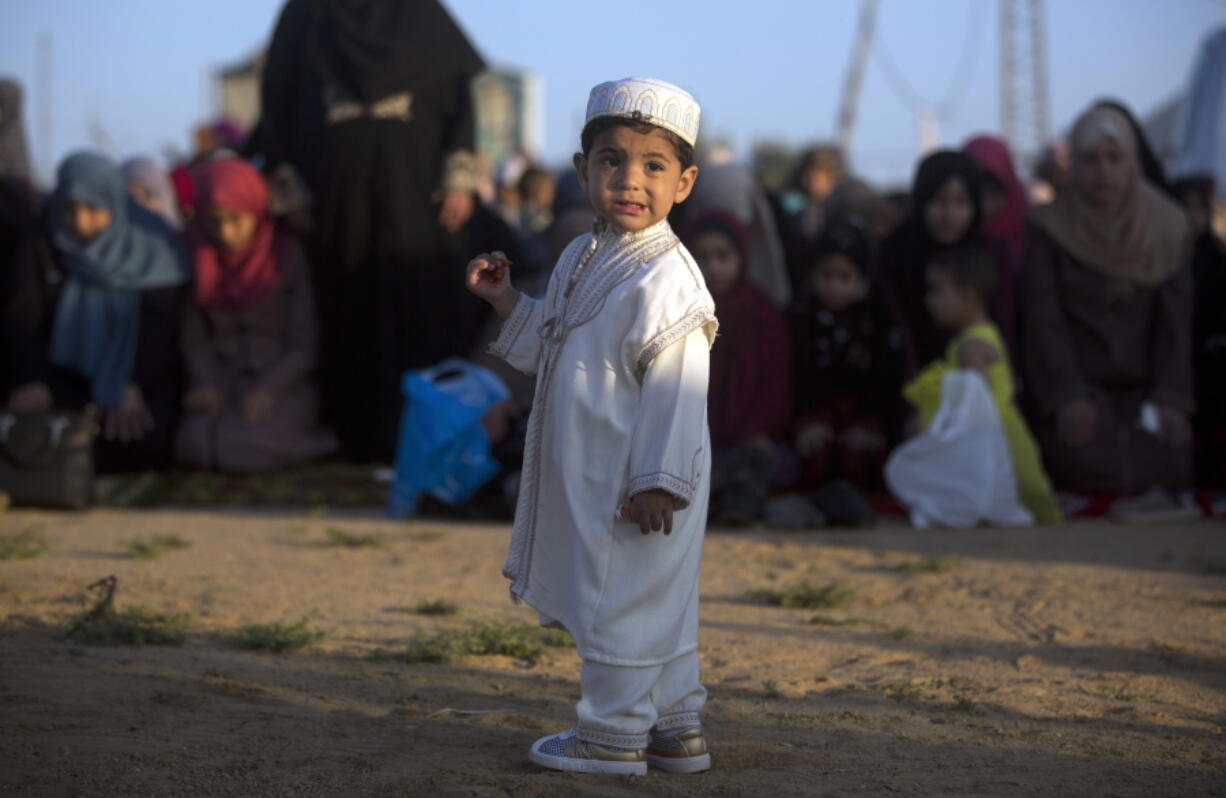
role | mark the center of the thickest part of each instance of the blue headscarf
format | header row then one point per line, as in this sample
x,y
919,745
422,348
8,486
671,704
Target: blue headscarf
x,y
97,320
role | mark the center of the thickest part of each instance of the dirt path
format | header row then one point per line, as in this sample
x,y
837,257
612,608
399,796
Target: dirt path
x,y
1088,660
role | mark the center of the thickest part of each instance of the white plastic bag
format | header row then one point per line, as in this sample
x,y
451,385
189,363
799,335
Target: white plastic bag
x,y
958,472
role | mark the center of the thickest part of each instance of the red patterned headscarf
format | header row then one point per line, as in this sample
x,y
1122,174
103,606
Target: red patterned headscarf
x,y
234,280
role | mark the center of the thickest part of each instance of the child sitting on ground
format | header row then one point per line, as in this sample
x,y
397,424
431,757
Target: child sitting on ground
x,y
620,348
849,363
749,401
961,283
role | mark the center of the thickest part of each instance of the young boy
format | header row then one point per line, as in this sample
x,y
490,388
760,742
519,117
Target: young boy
x,y
961,283
620,348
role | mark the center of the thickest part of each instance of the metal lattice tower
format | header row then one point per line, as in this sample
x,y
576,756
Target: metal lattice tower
x,y
850,101
1025,115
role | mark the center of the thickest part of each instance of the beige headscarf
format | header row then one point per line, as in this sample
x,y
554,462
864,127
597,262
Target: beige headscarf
x,y
1143,241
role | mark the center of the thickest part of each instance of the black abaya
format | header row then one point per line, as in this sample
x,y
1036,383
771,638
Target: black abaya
x,y
390,279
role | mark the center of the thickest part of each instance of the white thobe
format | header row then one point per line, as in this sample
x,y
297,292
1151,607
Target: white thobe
x,y
620,346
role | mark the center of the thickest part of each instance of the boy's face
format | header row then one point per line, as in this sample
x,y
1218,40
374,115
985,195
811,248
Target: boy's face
x,y
633,179
837,282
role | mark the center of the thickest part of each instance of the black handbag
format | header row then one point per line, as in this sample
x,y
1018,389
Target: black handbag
x,y
47,458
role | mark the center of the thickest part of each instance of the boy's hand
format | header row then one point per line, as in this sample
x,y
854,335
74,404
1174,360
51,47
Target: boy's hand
x,y
489,277
651,510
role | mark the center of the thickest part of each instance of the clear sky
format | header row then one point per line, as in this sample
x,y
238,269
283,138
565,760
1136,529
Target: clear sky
x,y
134,75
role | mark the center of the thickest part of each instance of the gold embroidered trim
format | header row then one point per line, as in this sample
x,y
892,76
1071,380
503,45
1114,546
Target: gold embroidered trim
x,y
677,720
396,107
460,172
682,490
512,327
703,316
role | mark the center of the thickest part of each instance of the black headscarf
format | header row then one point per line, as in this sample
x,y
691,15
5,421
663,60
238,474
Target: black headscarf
x,y
375,48
906,252
855,350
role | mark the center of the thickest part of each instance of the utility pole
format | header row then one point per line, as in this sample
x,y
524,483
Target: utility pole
x,y
46,147
1025,105
850,100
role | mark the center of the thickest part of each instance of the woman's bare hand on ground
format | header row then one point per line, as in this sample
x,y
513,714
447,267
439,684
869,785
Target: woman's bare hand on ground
x,y
33,396
205,400
131,420
257,404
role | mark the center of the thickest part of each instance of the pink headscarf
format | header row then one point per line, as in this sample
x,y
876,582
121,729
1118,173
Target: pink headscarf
x,y
233,280
993,157
750,391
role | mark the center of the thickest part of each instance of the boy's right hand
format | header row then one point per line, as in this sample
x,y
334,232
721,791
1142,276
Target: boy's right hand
x,y
489,277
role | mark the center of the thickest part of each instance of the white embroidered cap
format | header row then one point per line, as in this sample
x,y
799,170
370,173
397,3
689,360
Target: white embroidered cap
x,y
652,101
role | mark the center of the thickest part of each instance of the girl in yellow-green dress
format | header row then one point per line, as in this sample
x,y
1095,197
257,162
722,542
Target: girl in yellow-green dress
x,y
960,286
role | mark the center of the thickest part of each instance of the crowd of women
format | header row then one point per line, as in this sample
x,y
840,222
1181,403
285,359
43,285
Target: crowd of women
x,y
257,307
1108,298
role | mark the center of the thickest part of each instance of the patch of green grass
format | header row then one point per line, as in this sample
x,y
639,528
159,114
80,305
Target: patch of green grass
x,y
151,549
278,636
25,545
899,633
770,690
830,620
1213,568
437,607
1166,652
426,536
1118,693
485,638
1219,603
805,595
931,565
433,648
135,626
339,537
901,691
963,704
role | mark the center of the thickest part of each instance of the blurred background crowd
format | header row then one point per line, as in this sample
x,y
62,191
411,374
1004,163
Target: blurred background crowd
x,y
252,306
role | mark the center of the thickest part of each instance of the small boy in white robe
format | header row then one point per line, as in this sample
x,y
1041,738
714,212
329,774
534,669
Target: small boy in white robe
x,y
619,346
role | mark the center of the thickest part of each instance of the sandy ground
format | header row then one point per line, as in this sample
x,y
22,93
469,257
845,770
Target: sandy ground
x,y
1086,660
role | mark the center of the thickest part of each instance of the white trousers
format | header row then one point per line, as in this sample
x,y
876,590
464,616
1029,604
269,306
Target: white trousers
x,y
619,706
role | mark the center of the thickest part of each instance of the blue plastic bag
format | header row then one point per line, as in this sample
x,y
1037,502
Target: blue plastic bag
x,y
443,450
